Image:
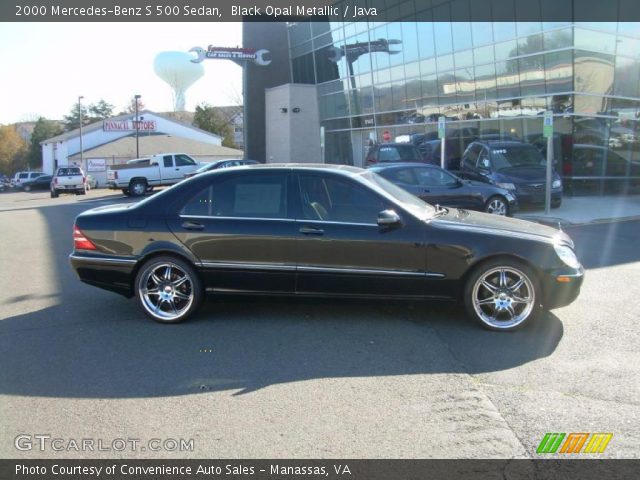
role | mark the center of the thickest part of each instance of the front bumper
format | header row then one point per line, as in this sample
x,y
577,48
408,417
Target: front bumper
x,y
537,197
562,286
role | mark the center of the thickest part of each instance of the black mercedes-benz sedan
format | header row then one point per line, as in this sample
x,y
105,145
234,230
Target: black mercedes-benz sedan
x,y
320,230
437,186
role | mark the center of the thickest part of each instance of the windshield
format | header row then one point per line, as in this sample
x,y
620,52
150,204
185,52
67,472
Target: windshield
x,y
205,167
417,207
512,156
398,153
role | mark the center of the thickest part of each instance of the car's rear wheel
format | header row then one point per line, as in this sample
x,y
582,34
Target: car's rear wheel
x,y
497,205
27,188
168,289
54,194
502,294
137,188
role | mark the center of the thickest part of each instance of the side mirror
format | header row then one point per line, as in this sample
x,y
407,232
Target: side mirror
x,y
388,218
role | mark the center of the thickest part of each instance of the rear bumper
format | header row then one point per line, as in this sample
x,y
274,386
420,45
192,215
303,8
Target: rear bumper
x,y
562,287
109,273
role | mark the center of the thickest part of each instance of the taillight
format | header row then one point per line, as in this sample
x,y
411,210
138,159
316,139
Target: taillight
x,y
84,179
55,180
115,175
80,241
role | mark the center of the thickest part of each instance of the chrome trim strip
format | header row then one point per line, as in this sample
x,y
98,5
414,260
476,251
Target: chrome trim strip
x,y
293,268
121,261
238,218
250,266
296,220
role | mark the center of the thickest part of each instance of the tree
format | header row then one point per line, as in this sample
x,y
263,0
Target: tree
x,y
209,119
42,130
131,107
94,112
13,150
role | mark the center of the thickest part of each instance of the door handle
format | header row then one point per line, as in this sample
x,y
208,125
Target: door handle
x,y
426,190
312,231
193,226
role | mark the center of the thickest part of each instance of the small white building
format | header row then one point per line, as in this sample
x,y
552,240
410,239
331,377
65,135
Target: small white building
x,y
56,151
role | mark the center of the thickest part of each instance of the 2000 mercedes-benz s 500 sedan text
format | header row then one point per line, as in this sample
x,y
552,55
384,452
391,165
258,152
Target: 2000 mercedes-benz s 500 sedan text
x,y
320,230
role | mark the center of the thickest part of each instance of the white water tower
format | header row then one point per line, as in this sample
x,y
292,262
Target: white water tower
x,y
179,72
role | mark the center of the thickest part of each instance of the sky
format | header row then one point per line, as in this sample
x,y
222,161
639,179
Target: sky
x,y
46,66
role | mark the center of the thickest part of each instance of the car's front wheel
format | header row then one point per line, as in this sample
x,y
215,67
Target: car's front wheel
x,y
168,289
27,188
497,205
502,294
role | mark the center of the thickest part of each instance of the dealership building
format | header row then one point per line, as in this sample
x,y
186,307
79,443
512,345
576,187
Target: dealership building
x,y
335,88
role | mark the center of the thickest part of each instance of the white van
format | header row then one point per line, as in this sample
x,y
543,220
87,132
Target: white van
x,y
21,177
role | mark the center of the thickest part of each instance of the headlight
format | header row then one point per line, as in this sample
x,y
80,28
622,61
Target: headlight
x,y
508,186
556,184
567,256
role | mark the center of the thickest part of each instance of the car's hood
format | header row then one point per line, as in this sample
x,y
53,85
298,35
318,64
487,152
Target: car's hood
x,y
496,224
524,174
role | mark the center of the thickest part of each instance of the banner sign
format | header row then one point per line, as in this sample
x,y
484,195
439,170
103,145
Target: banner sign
x,y
129,125
236,54
96,165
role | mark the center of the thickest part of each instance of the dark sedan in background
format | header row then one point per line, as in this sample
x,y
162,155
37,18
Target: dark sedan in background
x,y
42,182
437,186
230,162
320,230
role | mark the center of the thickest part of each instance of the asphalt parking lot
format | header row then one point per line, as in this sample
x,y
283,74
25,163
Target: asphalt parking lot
x,y
282,378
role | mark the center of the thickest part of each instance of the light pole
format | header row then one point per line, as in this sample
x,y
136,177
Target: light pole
x,y
80,121
136,98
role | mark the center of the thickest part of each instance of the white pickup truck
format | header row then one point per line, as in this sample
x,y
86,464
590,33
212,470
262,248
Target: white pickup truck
x,y
136,178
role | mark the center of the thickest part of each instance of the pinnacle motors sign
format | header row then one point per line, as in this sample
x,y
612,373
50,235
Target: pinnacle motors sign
x,y
129,126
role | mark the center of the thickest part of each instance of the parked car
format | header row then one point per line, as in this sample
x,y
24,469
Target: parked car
x,y
68,180
589,164
137,178
230,162
91,182
21,177
43,182
515,166
393,152
437,186
311,230
431,153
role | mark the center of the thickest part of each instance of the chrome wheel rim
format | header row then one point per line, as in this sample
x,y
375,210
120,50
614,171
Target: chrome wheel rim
x,y
139,188
497,207
503,297
166,291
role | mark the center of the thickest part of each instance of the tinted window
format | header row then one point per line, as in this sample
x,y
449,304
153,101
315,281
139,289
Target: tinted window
x,y
434,177
168,161
184,160
257,196
69,171
23,175
399,175
335,199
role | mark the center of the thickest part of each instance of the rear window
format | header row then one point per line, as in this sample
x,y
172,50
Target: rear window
x,y
68,171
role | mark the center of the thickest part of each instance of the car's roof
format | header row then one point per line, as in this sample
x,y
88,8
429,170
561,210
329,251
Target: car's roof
x,y
506,143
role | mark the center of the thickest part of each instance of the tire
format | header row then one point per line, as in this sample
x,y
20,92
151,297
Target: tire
x,y
137,188
497,205
83,191
125,191
27,188
492,300
179,288
556,204
54,194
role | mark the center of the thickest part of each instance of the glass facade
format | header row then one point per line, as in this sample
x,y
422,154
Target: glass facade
x,y
487,78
